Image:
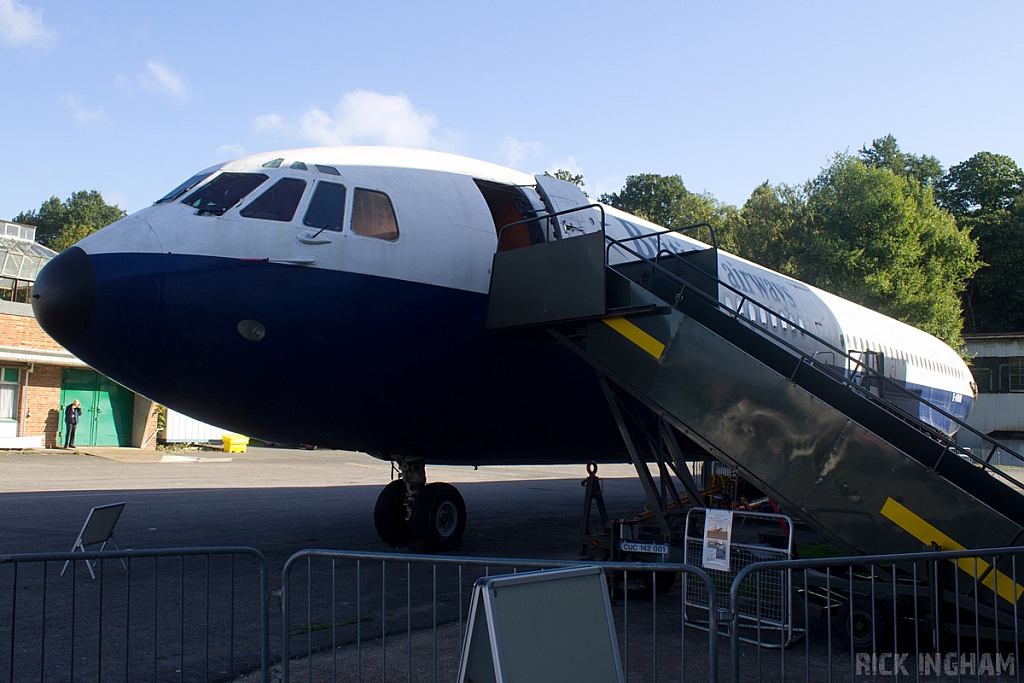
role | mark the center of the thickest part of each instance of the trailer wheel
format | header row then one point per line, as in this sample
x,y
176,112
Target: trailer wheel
x,y
862,624
663,582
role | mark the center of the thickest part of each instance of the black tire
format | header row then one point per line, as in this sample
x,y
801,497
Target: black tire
x,y
661,582
438,516
863,624
389,515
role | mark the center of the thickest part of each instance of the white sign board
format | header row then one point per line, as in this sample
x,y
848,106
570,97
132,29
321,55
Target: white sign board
x,y
541,627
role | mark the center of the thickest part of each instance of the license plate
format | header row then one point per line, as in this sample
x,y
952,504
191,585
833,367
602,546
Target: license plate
x,y
653,548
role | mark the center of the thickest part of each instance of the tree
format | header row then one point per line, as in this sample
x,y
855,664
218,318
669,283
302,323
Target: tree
x,y
886,153
986,194
878,238
59,224
771,223
666,201
984,183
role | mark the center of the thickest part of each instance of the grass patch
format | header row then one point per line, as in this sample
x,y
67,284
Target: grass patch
x,y
812,551
324,626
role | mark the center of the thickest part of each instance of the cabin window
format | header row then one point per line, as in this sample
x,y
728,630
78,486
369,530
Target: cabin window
x,y
329,170
279,202
184,187
764,318
224,191
373,215
751,313
327,207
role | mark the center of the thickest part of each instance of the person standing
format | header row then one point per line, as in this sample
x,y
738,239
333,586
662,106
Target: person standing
x,y
71,415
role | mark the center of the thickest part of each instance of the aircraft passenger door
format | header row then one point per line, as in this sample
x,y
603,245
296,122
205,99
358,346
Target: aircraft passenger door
x,y
872,360
561,195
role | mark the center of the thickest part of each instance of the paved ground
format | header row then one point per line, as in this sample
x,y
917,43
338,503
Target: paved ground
x,y
276,500
280,500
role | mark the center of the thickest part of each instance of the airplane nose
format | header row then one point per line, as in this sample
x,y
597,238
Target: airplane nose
x,y
64,294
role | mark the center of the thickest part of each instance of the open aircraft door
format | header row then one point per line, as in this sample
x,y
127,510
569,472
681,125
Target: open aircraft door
x,y
561,195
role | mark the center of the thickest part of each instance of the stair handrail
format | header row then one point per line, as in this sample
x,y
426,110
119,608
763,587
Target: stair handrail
x,y
714,239
890,407
542,216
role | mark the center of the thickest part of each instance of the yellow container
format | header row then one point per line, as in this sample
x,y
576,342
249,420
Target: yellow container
x,y
235,443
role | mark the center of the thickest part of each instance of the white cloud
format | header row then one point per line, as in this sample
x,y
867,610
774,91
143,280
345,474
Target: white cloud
x,y
230,151
161,77
82,115
158,77
269,123
569,164
516,152
361,118
21,26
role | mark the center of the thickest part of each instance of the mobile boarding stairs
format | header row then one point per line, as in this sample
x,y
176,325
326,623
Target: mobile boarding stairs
x,y
817,438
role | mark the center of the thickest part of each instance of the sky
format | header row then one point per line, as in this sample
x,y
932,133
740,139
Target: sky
x,y
131,98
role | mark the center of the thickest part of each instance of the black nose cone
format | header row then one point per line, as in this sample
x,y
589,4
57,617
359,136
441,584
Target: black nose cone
x,y
63,296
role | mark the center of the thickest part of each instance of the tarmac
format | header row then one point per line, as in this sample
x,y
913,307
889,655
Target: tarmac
x,y
350,467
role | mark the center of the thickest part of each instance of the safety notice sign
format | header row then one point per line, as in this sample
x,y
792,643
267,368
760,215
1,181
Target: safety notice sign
x,y
717,537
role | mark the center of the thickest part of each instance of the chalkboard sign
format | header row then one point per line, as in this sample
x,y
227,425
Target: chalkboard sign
x,y
541,627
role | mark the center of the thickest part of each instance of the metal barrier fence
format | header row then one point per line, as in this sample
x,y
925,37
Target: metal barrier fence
x,y
771,609
391,617
917,616
181,614
204,614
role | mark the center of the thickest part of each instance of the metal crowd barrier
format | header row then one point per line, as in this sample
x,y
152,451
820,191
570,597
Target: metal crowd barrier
x,y
385,617
764,613
178,614
191,614
930,616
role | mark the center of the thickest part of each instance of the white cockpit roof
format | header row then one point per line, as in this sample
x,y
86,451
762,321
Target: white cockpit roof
x,y
394,157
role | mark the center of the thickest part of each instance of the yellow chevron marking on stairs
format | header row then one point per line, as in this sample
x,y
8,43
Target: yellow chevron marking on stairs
x,y
976,567
636,335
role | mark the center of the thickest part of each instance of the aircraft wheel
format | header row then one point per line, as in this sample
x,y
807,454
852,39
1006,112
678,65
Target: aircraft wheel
x,y
439,516
389,515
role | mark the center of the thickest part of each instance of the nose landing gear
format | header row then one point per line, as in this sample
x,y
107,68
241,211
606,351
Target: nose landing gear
x,y
409,510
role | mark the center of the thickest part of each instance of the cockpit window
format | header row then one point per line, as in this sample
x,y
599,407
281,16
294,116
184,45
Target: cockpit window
x,y
327,207
223,192
299,166
279,202
329,170
184,187
274,163
373,215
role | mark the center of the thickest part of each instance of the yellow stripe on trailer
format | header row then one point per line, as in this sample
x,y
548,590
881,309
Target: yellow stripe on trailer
x,y
636,335
975,567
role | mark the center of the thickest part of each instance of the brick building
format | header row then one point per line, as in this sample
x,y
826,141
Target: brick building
x,y
38,376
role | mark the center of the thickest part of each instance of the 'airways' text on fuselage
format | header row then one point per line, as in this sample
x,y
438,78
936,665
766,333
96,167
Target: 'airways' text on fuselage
x,y
754,285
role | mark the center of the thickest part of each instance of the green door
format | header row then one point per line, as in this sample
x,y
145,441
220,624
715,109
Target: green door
x,y
107,409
